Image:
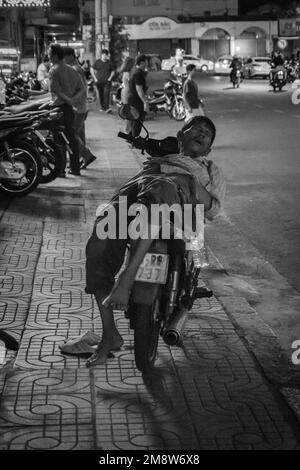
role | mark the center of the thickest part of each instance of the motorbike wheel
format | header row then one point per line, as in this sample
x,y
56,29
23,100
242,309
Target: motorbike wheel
x,y
92,96
146,335
25,158
53,163
178,111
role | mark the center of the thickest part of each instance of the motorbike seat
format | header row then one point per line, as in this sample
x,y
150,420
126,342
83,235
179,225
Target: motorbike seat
x,y
158,93
7,123
21,108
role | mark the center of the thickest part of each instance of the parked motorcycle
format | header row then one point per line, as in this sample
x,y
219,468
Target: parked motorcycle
x,y
92,94
292,72
166,285
20,166
169,99
278,78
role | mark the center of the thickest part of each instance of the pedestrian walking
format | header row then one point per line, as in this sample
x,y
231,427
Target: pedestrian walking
x,y
137,94
66,88
81,110
103,72
192,101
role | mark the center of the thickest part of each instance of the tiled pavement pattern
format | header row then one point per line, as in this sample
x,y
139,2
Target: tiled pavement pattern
x,y
208,395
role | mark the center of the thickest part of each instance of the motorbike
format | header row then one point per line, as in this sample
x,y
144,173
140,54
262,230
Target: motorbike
x,y
20,166
292,72
92,94
44,140
278,78
236,78
166,284
169,100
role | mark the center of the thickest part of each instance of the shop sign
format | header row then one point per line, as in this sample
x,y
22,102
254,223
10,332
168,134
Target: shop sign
x,y
25,3
160,24
289,27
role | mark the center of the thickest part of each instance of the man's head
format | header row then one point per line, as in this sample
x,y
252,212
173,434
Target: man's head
x,y
69,55
141,61
191,69
104,55
46,59
196,137
56,53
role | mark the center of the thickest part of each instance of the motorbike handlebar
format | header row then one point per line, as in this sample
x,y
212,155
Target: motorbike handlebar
x,y
154,147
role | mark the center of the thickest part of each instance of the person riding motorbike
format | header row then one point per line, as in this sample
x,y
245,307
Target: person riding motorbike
x,y
235,65
277,64
184,178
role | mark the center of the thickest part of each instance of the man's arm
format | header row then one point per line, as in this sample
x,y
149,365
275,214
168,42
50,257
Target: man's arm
x,y
93,74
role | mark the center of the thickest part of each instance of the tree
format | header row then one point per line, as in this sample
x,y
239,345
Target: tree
x,y
118,41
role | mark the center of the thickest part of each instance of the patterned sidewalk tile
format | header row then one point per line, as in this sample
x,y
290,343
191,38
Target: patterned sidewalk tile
x,y
66,437
48,382
12,276
69,275
50,315
13,312
19,246
13,227
45,410
40,350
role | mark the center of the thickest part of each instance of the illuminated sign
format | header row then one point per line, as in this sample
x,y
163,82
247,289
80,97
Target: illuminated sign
x,y
289,27
25,3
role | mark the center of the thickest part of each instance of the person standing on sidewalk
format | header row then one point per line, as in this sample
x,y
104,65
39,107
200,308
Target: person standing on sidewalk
x,y
103,72
137,93
81,110
66,88
192,102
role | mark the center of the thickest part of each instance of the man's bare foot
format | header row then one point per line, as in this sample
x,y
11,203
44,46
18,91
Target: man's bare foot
x,y
102,353
119,297
104,348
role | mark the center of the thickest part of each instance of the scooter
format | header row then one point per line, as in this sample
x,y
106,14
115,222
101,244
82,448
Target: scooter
x,y
166,284
278,78
236,78
169,100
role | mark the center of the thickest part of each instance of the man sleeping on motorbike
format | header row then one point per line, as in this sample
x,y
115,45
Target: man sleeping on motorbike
x,y
184,178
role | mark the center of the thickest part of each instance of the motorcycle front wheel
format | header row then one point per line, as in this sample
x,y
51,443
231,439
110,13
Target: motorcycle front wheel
x,y
28,163
146,335
54,164
178,111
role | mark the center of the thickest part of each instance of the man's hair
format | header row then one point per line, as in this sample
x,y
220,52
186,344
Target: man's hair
x,y
105,51
57,50
69,51
140,58
201,120
190,67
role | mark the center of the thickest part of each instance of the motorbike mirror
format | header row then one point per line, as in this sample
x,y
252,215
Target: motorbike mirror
x,y
126,111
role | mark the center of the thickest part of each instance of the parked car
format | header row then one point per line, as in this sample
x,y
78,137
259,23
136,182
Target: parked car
x,y
201,64
257,67
222,65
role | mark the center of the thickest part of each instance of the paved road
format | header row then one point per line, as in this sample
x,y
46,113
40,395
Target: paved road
x,y
210,394
257,146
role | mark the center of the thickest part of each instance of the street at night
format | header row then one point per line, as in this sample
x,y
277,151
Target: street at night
x,y
140,349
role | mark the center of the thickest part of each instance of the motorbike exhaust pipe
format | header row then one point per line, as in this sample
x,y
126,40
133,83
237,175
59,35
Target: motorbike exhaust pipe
x,y
172,335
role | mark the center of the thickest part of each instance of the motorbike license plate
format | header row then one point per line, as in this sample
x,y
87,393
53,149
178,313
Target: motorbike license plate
x,y
154,269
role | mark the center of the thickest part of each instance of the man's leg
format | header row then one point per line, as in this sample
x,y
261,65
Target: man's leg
x,y
69,119
101,95
106,95
111,338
